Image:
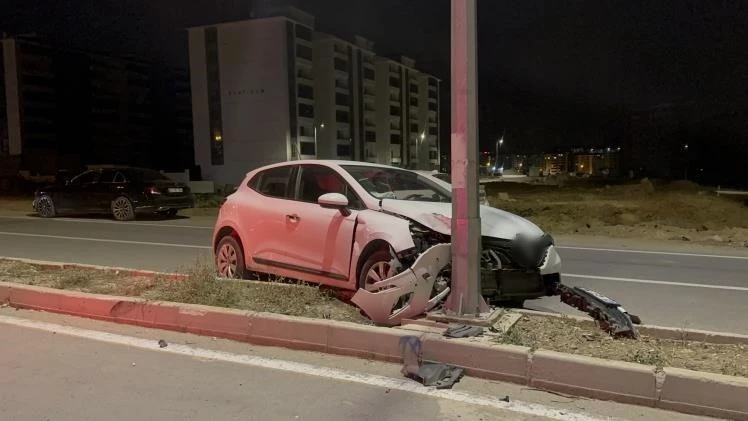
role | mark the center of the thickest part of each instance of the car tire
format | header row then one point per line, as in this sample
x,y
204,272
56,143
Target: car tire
x,y
45,207
229,258
122,209
171,213
379,263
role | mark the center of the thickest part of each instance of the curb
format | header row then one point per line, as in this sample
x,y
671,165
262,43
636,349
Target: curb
x,y
674,389
126,271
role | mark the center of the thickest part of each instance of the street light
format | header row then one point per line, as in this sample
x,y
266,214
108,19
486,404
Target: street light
x,y
419,140
316,152
499,142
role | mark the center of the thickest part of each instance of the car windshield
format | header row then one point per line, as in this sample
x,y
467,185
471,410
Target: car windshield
x,y
394,183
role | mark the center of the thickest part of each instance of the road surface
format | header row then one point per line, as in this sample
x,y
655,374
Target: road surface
x,y
693,290
69,369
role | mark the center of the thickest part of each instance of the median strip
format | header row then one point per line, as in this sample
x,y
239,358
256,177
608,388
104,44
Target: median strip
x,y
527,354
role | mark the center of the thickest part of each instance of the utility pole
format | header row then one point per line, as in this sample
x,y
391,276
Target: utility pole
x,y
465,297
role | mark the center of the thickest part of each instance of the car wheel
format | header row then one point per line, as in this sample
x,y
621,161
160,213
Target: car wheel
x,y
171,213
376,268
122,209
45,207
230,258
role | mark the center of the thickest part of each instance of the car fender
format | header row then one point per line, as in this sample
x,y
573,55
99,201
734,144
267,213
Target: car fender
x,y
228,217
373,225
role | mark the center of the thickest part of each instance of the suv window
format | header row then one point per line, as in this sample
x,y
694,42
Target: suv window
x,y
86,177
275,182
317,180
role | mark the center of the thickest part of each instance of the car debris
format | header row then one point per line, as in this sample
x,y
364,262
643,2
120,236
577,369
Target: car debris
x,y
610,316
429,374
162,343
463,331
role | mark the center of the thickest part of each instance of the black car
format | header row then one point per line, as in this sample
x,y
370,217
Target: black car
x,y
122,192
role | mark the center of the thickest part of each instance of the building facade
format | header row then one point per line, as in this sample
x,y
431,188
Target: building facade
x,y
271,89
63,109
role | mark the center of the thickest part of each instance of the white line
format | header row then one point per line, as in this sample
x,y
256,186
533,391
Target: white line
x,y
306,369
90,221
104,240
716,256
647,281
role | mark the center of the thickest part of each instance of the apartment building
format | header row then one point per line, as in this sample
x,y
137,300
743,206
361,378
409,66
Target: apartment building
x,y
61,108
272,89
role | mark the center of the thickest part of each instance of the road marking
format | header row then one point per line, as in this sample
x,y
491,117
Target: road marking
x,y
91,221
647,281
666,253
104,240
302,368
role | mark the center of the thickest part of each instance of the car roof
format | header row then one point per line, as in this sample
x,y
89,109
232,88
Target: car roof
x,y
327,162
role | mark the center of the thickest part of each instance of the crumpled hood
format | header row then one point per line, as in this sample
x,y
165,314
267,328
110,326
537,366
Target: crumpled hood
x,y
437,216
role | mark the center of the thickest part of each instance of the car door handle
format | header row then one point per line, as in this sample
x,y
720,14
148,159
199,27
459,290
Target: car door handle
x,y
293,218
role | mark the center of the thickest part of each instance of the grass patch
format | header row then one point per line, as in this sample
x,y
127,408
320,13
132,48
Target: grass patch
x,y
201,287
584,338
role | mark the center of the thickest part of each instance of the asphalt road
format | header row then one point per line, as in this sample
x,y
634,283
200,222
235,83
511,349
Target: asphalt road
x,y
65,368
696,289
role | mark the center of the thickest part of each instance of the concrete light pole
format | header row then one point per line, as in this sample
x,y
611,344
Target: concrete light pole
x,y
465,297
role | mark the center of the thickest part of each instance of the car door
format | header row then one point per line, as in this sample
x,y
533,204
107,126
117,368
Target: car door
x,y
103,192
318,240
76,196
263,217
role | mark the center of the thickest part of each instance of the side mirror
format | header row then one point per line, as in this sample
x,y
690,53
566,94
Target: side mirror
x,y
334,201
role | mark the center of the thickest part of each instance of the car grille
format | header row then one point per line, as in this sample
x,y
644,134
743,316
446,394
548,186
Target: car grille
x,y
519,253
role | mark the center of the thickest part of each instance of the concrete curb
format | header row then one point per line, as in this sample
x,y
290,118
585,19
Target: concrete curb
x,y
674,389
660,332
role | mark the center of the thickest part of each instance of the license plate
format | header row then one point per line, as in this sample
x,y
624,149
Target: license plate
x,y
175,190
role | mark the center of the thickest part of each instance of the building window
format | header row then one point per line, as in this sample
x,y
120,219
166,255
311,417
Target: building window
x,y
302,32
342,99
414,88
432,94
433,155
413,127
215,117
395,139
306,110
394,82
432,106
414,101
342,116
304,52
344,151
433,130
340,64
370,136
394,110
432,81
305,91
368,73
307,148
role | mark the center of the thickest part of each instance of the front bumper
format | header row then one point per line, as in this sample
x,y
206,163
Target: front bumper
x,y
165,203
515,281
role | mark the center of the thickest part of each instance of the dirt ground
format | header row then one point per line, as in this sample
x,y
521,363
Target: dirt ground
x,y
200,288
584,338
679,211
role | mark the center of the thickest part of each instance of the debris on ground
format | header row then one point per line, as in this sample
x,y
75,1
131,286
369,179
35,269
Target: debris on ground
x,y
162,343
439,375
611,317
463,331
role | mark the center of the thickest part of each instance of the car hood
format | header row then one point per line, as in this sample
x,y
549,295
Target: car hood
x,y
437,216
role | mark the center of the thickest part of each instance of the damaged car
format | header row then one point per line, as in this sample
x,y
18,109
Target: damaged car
x,y
379,231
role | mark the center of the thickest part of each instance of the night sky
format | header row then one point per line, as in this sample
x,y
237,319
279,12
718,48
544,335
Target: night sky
x,y
560,67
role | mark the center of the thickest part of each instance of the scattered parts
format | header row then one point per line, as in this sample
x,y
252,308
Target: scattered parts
x,y
162,343
441,376
463,331
412,287
611,317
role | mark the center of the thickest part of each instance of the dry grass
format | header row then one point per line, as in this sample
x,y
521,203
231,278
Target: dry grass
x,y
584,338
201,287
680,211
16,203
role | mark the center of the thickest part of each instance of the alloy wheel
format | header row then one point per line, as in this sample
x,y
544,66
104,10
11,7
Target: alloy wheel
x,y
122,209
227,261
378,272
45,207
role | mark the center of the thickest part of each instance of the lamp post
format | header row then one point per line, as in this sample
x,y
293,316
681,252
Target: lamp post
x,y
316,152
419,140
499,142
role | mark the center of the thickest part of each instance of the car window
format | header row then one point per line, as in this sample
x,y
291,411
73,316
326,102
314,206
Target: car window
x,y
107,176
317,180
274,182
119,178
398,184
86,177
143,175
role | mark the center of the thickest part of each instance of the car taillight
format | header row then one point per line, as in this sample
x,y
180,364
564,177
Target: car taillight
x,y
153,190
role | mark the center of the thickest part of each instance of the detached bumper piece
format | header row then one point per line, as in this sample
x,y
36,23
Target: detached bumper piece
x,y
441,376
610,316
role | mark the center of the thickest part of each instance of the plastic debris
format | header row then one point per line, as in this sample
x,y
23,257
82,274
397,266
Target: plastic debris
x,y
463,331
162,343
610,316
441,376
